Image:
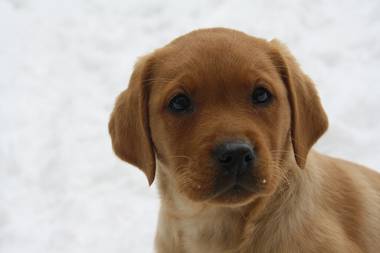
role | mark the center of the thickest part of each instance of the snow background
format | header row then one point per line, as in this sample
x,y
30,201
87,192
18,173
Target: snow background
x,y
62,63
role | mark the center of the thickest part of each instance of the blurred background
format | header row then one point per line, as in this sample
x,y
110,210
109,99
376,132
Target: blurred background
x,y
62,63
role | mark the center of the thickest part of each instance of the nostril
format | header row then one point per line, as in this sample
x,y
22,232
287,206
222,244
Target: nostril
x,y
225,159
248,157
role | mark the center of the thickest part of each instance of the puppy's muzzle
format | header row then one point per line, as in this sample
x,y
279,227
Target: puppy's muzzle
x,y
234,158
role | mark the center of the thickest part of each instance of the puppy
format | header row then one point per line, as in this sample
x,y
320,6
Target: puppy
x,y
226,123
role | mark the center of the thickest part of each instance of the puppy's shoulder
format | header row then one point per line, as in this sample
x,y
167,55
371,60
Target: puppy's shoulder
x,y
351,193
343,168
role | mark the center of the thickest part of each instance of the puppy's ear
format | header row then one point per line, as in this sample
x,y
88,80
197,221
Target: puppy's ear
x,y
129,123
309,120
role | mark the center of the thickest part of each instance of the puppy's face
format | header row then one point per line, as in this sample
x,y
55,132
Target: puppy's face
x,y
218,116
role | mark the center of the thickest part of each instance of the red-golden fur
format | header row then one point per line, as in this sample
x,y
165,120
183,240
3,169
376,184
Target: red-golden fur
x,y
306,201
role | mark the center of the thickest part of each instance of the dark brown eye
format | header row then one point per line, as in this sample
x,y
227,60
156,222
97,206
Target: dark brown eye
x,y
180,104
261,96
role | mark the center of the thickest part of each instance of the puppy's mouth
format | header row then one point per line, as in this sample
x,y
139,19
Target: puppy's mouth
x,y
236,187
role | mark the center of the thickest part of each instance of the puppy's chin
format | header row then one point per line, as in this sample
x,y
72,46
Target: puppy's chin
x,y
238,195
232,194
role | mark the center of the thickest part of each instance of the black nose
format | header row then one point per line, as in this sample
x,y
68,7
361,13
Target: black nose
x,y
234,157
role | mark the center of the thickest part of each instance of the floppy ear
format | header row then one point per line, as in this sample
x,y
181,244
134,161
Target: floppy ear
x,y
129,123
309,120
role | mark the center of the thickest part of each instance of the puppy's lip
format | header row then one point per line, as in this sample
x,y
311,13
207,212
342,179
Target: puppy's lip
x,y
234,185
258,185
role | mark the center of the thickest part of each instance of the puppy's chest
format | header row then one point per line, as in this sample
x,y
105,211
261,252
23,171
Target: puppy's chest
x,y
212,234
226,233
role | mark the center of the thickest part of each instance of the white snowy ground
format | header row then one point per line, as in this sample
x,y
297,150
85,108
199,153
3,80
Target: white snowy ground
x,y
62,63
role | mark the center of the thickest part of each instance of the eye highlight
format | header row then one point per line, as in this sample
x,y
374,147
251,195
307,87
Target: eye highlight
x,y
180,104
261,96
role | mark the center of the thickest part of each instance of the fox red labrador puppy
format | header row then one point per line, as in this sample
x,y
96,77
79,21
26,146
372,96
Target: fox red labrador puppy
x,y
226,122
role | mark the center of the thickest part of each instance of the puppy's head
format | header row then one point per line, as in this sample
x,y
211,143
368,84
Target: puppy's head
x,y
220,110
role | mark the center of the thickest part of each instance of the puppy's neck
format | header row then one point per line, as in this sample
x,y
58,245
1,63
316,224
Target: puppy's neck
x,y
197,227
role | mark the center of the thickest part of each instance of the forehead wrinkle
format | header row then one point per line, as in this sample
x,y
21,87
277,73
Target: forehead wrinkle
x,y
216,62
193,75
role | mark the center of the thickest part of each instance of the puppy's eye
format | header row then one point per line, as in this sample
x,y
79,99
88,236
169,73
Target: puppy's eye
x,y
180,103
261,96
